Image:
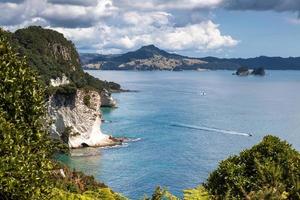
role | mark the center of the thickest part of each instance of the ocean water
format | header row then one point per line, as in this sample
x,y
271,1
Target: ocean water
x,y
187,122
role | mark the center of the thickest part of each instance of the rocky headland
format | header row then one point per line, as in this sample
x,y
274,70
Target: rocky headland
x,y
74,97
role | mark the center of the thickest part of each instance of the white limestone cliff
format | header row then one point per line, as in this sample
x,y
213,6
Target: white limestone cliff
x,y
107,100
77,118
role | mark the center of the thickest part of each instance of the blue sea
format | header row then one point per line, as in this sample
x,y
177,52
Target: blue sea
x,y
185,123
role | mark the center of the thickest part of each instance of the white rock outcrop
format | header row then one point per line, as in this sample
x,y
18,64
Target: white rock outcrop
x,y
59,81
77,117
107,100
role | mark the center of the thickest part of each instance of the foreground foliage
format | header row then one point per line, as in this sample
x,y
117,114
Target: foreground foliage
x,y
199,193
101,194
76,185
161,194
269,170
27,170
25,148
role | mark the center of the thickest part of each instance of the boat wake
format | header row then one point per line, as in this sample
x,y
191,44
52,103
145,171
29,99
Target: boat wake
x,y
202,93
210,129
133,139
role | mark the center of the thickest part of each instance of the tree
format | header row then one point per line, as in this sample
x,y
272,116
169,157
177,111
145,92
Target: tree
x,y
269,170
161,194
25,149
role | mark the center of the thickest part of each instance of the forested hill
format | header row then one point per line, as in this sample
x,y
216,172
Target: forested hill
x,y
153,58
52,56
273,63
146,58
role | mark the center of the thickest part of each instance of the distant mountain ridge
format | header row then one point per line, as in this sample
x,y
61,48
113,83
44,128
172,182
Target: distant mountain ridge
x,y
152,58
271,63
146,58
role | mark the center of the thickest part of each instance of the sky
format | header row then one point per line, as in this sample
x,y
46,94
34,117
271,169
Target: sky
x,y
197,28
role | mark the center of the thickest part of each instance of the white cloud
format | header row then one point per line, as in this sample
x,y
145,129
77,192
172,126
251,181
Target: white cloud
x,y
170,4
203,36
77,15
195,37
75,2
14,13
146,18
59,15
114,26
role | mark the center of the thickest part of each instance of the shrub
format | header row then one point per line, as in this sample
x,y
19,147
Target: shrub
x,y
87,100
161,194
101,194
270,169
25,148
198,193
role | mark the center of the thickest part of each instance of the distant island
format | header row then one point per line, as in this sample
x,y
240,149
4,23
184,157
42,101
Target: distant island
x,y
152,58
244,71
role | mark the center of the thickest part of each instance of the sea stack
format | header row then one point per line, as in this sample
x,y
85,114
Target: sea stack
x,y
242,71
258,71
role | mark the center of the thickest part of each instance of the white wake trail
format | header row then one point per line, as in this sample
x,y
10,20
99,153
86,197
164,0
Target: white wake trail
x,y
204,128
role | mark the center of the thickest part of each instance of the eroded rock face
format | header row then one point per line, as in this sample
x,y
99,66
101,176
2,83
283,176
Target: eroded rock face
x,y
77,118
107,100
60,50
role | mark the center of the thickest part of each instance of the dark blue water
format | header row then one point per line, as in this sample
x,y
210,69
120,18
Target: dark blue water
x,y
188,122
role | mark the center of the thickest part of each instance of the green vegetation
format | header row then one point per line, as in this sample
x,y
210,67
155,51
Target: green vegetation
x,y
198,193
69,89
27,168
25,146
270,169
161,194
101,194
76,185
87,100
51,56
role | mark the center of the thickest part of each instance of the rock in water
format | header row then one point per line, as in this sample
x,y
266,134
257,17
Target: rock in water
x,y
259,71
77,121
107,100
242,71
